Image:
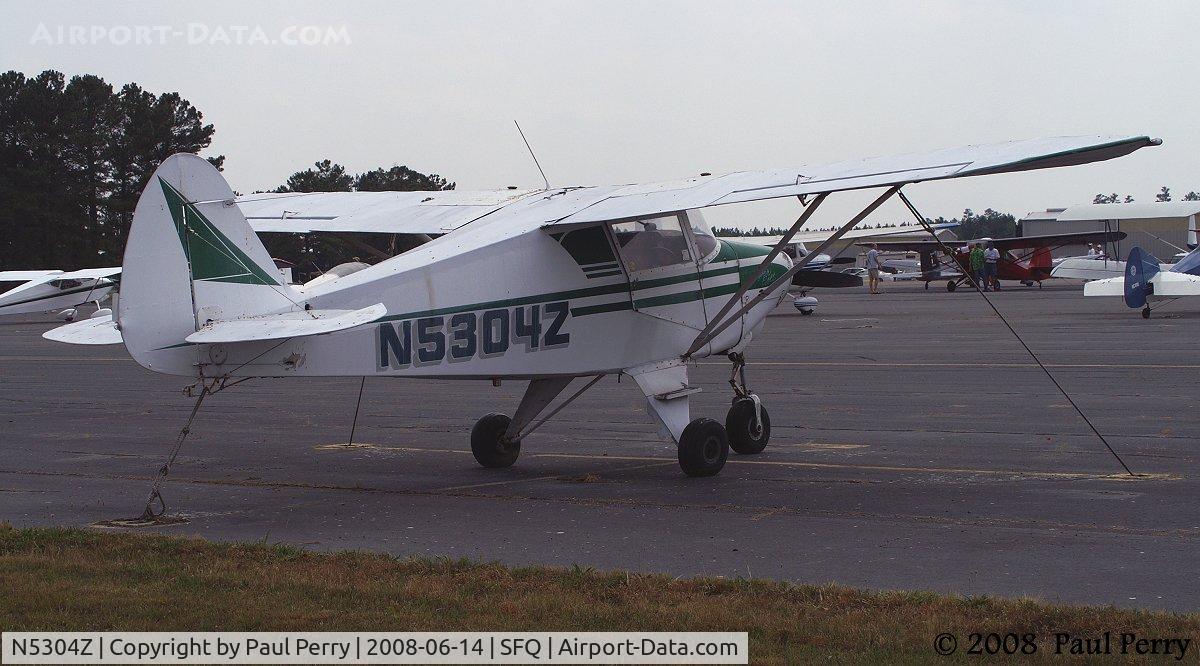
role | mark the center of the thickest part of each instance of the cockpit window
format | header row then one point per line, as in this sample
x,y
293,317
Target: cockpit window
x,y
651,243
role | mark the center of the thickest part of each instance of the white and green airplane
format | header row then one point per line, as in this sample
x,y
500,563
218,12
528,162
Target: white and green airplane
x,y
548,286
55,290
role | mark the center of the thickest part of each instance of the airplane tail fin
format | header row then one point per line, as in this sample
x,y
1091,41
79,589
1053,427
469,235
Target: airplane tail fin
x,y
191,259
1140,268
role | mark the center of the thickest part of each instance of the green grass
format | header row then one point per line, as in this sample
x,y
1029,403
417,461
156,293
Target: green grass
x,y
72,579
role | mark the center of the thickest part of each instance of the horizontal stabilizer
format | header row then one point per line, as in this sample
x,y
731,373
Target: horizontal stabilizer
x,y
286,325
1108,287
1169,284
1081,268
95,331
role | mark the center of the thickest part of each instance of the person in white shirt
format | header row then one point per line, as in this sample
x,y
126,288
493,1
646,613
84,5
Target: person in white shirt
x,y
991,264
873,268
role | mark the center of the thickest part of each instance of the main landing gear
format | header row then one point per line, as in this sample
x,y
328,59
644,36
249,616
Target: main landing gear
x,y
748,424
1146,312
704,445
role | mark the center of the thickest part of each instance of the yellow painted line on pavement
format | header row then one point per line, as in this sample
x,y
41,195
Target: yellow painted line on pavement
x,y
876,364
809,465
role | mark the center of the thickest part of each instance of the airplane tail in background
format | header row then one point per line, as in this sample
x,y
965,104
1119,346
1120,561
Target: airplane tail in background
x,y
1140,268
191,259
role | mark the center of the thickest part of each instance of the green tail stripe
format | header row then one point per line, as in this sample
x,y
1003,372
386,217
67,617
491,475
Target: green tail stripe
x,y
212,256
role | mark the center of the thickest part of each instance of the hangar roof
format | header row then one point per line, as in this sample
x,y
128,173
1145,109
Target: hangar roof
x,y
1130,211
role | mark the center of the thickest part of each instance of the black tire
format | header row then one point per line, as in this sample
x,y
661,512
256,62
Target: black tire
x,y
1146,312
744,437
703,448
487,442
951,285
806,312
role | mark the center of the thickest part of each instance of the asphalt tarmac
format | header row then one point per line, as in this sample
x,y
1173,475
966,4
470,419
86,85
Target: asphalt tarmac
x,y
915,445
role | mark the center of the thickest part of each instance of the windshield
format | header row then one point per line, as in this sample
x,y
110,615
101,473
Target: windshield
x,y
706,244
651,243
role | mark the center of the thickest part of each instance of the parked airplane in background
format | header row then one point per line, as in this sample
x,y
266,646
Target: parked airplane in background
x,y
1025,259
546,286
822,270
51,290
1101,268
1146,281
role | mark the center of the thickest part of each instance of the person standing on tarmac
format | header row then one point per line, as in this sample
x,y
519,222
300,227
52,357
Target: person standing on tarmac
x,y
873,268
976,264
991,266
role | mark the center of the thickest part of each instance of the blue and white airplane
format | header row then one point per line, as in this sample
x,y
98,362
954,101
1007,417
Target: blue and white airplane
x,y
1147,281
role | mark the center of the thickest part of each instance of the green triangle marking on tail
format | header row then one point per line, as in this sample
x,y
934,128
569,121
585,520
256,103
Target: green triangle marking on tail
x,y
213,257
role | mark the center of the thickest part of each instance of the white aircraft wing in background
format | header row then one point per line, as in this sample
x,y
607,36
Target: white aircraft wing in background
x,y
365,212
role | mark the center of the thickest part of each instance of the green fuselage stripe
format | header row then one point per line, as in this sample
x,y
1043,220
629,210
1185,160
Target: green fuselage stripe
x,y
600,309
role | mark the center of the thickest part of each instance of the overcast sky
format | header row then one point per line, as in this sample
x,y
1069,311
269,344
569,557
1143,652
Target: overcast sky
x,y
618,92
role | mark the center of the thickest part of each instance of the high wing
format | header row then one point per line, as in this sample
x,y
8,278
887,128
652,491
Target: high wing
x,y
820,236
1015,243
359,212
25,276
442,212
655,198
86,274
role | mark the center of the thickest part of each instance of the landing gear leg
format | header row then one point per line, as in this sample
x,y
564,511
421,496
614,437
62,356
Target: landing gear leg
x,y
496,439
747,423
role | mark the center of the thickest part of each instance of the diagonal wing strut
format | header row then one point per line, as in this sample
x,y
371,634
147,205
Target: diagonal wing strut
x,y
711,331
762,267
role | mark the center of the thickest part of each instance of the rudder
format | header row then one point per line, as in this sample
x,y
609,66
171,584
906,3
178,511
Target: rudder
x,y
1140,267
191,258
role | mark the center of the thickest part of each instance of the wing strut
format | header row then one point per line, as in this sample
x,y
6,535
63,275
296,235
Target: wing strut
x,y
745,286
1078,410
713,330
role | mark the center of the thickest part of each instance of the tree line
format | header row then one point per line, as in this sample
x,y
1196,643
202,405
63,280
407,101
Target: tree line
x,y
76,153
74,157
1164,195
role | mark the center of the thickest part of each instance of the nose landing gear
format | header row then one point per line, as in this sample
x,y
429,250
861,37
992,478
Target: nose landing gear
x,y
747,423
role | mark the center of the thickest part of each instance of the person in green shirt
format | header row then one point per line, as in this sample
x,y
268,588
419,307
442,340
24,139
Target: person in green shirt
x,y
976,262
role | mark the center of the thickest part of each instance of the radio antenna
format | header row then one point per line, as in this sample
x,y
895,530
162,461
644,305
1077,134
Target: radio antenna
x,y
535,159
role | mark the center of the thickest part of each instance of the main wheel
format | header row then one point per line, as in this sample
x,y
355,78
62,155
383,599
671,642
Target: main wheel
x,y
951,285
1146,312
703,448
746,434
488,443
